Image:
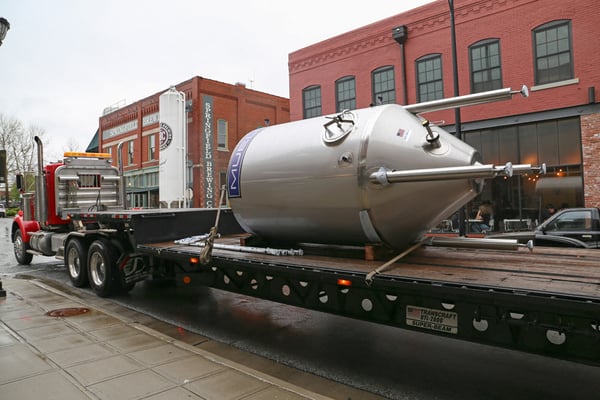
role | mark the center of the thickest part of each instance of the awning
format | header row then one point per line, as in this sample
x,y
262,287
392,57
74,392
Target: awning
x,y
558,184
93,146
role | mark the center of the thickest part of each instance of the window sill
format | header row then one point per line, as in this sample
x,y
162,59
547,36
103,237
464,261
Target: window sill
x,y
555,84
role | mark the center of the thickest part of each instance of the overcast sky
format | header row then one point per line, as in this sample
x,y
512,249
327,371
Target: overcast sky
x,y
63,61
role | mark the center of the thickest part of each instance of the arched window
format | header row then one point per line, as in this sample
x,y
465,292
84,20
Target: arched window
x,y
486,67
553,54
430,85
383,85
345,93
311,101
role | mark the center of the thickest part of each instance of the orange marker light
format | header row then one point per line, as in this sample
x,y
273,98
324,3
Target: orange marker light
x,y
82,154
344,282
194,260
187,280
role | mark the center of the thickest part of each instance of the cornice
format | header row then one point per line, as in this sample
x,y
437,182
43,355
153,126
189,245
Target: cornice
x,y
416,27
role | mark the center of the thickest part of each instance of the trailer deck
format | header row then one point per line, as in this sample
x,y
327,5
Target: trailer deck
x,y
545,302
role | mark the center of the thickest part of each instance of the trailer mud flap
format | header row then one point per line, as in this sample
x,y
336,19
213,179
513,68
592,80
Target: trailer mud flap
x,y
133,269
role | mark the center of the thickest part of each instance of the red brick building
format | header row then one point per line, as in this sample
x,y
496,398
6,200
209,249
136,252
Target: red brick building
x,y
548,45
235,110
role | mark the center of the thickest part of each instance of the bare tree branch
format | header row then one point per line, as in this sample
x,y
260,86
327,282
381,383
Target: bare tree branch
x,y
19,145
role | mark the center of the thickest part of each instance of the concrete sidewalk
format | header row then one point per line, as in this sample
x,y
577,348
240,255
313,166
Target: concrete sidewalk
x,y
53,346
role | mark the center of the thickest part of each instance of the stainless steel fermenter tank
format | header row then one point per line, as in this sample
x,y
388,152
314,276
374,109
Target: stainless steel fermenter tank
x,y
316,180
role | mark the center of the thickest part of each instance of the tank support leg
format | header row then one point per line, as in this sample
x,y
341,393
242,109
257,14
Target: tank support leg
x,y
389,265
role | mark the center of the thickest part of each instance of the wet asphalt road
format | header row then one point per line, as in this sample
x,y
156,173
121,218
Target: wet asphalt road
x,y
389,362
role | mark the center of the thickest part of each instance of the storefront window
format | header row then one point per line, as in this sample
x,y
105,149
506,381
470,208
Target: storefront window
x,y
557,143
527,144
489,147
569,142
507,137
547,133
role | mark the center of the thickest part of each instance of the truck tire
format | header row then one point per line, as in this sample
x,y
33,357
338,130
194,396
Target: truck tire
x,y
102,268
76,261
20,249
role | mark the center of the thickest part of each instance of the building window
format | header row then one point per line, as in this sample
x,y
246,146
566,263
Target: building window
x,y
345,93
152,180
384,86
130,152
486,71
553,142
552,47
152,147
522,197
311,100
429,78
222,128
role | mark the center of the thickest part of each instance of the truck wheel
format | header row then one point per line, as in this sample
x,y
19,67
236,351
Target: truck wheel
x,y
102,268
76,261
20,249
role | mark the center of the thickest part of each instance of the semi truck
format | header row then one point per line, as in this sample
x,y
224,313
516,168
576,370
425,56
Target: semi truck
x,y
333,221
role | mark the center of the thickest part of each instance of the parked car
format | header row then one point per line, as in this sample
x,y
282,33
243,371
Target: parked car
x,y
2,211
570,227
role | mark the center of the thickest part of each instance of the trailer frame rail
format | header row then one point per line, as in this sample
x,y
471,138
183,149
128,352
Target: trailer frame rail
x,y
559,325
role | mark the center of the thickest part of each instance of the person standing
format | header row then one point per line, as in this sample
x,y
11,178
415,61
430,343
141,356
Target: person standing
x,y
484,216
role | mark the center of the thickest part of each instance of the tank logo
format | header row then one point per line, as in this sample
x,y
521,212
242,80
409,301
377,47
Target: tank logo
x,y
234,171
166,135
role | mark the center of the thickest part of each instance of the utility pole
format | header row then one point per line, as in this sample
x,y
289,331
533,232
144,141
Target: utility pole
x,y
457,120
4,27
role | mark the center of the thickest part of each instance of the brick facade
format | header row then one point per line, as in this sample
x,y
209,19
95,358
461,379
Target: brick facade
x,y
243,109
359,52
590,143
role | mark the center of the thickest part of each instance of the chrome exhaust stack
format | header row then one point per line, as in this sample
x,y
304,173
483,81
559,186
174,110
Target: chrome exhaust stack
x,y
41,201
122,192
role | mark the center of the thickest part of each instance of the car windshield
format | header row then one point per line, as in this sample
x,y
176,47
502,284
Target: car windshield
x,y
571,221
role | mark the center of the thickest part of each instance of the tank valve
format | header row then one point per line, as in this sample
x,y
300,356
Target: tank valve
x,y
433,138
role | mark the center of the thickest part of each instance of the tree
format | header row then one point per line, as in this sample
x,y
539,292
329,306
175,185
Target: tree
x,y
72,145
20,148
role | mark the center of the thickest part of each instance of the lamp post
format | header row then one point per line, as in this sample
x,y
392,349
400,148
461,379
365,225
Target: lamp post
x,y
4,27
457,119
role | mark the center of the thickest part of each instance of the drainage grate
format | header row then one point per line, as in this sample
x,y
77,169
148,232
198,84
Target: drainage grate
x,y
68,312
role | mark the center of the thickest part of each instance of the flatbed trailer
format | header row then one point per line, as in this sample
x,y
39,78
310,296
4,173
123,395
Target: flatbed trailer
x,y
545,302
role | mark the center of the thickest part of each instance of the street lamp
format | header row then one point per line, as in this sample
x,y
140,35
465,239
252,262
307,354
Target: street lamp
x,y
400,34
457,119
4,27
